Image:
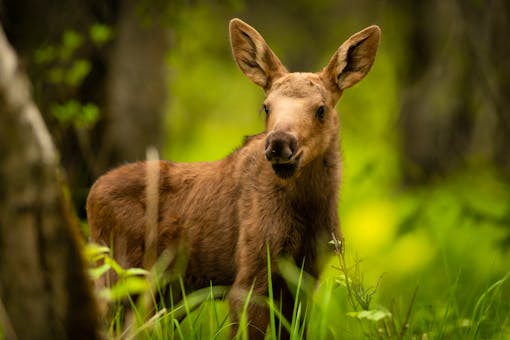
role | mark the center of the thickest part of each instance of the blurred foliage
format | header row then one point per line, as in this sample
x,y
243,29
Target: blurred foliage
x,y
210,101
63,68
448,236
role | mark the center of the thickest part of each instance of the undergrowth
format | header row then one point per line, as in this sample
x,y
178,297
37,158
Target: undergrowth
x,y
338,306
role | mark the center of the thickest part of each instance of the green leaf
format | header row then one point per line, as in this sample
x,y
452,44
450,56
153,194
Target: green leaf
x,y
100,34
78,71
94,249
115,266
45,55
55,75
128,286
94,252
67,112
342,280
136,272
73,112
96,273
484,302
372,315
71,40
88,116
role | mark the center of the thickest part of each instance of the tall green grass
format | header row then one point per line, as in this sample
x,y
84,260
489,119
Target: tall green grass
x,y
338,306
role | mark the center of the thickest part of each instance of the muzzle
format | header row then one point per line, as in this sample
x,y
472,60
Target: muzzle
x,y
281,148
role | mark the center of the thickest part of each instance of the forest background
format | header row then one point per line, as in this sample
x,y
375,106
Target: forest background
x,y
425,196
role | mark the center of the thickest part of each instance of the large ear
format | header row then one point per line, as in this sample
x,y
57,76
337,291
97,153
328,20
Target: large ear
x,y
253,55
354,58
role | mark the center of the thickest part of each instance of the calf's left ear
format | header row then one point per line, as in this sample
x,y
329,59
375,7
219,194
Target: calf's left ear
x,y
354,58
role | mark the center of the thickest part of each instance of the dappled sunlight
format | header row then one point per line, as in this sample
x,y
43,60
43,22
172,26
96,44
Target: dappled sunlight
x,y
369,228
371,235
410,253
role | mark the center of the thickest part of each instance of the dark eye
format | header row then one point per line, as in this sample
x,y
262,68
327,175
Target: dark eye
x,y
321,112
266,109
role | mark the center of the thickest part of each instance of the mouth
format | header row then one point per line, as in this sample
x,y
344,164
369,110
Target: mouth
x,y
287,169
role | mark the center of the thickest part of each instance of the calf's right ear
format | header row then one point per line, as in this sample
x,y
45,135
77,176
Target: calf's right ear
x,y
354,58
254,57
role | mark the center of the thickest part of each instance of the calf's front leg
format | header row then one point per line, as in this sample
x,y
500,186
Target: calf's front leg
x,y
251,276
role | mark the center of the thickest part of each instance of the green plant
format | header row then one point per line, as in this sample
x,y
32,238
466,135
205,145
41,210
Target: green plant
x,y
336,307
65,68
383,323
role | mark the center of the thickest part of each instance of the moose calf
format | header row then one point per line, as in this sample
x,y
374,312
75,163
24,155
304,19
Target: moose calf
x,y
279,190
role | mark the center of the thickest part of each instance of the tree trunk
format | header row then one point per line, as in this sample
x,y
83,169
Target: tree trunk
x,y
455,106
136,87
44,292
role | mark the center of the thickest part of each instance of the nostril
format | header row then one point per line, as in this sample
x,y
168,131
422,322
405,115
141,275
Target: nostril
x,y
292,146
288,152
271,152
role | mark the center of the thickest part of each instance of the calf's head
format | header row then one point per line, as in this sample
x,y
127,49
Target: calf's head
x,y
301,121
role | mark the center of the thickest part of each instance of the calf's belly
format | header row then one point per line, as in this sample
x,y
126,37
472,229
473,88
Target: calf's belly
x,y
212,257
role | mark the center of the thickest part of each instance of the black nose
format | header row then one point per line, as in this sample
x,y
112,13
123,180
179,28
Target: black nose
x,y
280,147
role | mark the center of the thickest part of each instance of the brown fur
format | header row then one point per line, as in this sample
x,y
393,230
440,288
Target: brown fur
x,y
226,212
